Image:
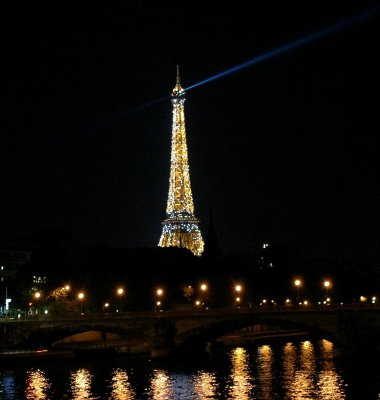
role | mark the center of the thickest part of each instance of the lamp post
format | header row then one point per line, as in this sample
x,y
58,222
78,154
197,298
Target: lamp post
x,y
204,288
37,297
327,286
238,291
298,284
120,292
158,300
81,297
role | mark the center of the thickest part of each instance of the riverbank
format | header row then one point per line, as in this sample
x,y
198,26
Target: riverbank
x,y
122,348
238,339
22,356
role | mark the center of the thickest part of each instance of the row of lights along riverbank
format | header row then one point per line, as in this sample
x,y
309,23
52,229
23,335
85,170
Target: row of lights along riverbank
x,y
198,301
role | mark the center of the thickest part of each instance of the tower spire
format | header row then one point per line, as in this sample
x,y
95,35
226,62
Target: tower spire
x,y
178,82
180,228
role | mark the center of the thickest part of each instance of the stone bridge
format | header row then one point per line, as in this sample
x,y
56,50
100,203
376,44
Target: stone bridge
x,y
345,326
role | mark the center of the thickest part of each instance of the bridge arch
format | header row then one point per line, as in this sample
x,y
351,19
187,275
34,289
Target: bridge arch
x,y
199,335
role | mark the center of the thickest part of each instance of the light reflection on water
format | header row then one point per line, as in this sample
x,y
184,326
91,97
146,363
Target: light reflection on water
x,y
264,372
293,371
304,379
160,386
330,384
37,385
303,385
241,385
120,385
205,385
80,384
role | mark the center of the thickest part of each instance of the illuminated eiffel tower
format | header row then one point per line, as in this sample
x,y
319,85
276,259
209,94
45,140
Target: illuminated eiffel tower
x,y
180,228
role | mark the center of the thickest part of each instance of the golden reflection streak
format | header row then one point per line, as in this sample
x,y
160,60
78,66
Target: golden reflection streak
x,y
303,386
289,365
330,384
36,385
299,375
205,385
80,384
241,387
121,387
160,385
265,374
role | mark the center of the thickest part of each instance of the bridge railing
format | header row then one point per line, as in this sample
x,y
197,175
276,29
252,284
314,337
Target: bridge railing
x,y
200,312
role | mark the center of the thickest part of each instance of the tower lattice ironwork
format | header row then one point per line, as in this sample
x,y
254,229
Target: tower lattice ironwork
x,y
180,228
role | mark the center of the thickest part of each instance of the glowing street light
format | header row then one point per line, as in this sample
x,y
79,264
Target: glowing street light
x,y
37,296
81,297
158,302
120,292
203,295
238,288
203,287
327,285
298,284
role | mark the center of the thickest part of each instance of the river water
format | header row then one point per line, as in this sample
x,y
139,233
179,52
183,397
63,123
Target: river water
x,y
299,370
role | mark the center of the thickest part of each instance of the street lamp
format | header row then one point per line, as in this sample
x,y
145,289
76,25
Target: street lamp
x,y
238,290
298,284
203,297
37,296
327,285
81,297
120,293
158,302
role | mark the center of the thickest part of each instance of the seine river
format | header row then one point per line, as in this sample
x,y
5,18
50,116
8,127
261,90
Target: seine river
x,y
299,370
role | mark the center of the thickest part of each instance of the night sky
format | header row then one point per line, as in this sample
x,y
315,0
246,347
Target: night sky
x,y
284,152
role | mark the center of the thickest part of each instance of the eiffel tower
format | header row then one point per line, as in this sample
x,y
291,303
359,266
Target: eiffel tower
x,y
180,228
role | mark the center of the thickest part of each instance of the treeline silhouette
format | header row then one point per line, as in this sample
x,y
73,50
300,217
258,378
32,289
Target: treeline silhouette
x,y
98,269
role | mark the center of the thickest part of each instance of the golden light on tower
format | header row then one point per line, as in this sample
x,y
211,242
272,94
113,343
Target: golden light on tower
x,y
180,228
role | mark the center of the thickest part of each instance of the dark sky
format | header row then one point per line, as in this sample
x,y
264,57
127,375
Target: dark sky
x,y
284,152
